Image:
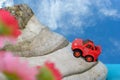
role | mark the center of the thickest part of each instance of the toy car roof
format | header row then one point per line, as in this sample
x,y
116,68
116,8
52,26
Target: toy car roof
x,y
86,41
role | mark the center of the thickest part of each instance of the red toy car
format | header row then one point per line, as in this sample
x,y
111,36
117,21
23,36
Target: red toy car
x,y
86,49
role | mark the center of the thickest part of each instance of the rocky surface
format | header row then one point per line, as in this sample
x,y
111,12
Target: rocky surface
x,y
36,40
38,44
22,12
98,72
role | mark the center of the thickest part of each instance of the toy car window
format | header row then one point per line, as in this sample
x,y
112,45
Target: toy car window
x,y
90,47
86,41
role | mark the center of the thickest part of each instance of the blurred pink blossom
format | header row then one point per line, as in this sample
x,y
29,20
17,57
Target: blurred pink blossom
x,y
12,67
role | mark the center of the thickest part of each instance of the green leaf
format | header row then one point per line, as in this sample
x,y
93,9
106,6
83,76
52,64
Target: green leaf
x,y
45,74
4,30
11,76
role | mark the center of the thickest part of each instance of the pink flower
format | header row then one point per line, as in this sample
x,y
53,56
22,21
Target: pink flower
x,y
48,72
14,69
9,28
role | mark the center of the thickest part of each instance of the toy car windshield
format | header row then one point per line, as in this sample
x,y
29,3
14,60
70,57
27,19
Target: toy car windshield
x,y
86,41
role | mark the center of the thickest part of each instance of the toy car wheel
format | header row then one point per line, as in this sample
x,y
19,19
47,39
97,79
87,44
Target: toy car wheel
x,y
89,58
77,53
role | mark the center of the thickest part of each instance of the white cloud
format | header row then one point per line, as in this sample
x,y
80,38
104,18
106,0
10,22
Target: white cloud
x,y
105,7
110,12
4,3
58,14
77,13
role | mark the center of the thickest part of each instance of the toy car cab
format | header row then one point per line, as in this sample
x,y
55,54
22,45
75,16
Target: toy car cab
x,y
86,49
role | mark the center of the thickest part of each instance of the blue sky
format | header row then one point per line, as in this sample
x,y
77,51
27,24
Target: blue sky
x,y
98,20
